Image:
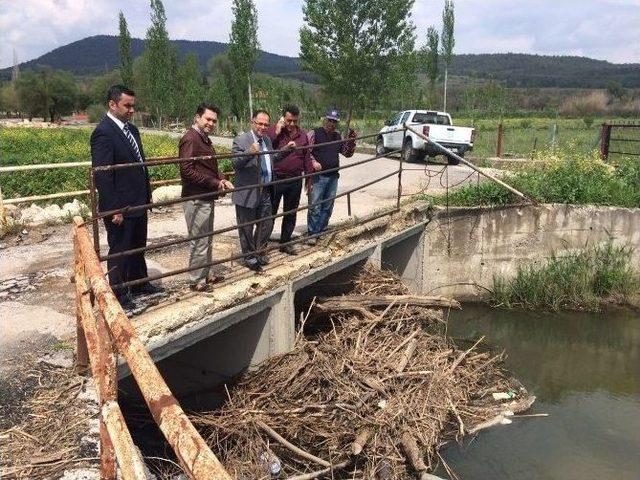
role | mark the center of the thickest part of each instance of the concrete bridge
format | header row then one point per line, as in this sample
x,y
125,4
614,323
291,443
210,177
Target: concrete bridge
x,y
204,340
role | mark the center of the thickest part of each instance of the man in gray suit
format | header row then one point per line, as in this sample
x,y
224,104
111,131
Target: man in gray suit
x,y
254,203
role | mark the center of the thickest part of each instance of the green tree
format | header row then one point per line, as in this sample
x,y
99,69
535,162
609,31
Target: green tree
x,y
191,89
243,52
159,66
220,81
448,42
124,44
430,54
49,93
101,83
353,45
9,99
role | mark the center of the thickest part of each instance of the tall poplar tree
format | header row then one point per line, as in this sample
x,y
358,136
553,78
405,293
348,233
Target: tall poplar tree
x,y
447,41
354,45
124,44
243,53
431,58
159,66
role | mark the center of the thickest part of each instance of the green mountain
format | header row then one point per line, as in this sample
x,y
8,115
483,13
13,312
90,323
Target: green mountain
x,y
99,53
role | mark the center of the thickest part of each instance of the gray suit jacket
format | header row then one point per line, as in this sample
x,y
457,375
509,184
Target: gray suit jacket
x,y
247,170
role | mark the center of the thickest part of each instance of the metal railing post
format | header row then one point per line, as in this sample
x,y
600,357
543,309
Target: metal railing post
x,y
499,143
404,137
94,211
605,139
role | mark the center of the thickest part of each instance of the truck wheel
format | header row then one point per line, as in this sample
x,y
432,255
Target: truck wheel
x,y
408,153
380,149
453,161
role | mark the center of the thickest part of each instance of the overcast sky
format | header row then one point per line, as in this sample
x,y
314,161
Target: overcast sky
x,y
602,29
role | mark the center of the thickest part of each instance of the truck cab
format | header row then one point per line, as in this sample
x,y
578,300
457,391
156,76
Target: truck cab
x,y
436,125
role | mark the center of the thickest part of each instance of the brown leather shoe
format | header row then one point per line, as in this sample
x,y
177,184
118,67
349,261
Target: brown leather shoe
x,y
211,279
200,287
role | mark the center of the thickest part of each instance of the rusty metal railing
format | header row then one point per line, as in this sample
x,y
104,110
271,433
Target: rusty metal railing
x,y
620,139
104,330
96,216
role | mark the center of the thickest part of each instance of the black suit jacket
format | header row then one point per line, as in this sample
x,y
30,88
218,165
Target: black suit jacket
x,y
122,187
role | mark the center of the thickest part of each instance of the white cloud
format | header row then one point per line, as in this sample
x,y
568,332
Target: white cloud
x,y
603,29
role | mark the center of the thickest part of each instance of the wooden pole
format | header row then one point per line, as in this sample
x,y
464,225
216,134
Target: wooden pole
x,y
194,455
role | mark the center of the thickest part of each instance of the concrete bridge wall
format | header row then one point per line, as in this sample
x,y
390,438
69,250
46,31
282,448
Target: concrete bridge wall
x,y
454,254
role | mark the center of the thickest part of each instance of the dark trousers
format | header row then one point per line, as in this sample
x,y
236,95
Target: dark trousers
x,y
255,237
131,233
290,193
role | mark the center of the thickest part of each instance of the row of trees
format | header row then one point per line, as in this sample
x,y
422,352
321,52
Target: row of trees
x,y
362,51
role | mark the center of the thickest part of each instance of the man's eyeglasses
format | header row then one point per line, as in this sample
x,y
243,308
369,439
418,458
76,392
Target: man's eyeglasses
x,y
260,124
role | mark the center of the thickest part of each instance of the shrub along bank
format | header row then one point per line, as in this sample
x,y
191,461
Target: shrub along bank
x,y
28,146
579,280
564,176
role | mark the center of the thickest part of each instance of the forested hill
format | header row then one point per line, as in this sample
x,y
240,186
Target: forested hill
x,y
98,54
517,69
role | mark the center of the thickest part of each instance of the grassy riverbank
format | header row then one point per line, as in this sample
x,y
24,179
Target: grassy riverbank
x,y
30,146
578,280
563,176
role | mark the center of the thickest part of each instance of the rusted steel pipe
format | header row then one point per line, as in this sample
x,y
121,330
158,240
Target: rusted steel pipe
x,y
235,227
165,160
192,452
105,381
449,153
94,211
218,193
241,255
129,460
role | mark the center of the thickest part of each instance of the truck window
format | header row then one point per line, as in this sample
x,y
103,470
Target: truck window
x,y
393,120
432,118
405,117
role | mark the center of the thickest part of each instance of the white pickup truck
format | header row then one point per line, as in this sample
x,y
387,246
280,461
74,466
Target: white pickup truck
x,y
435,125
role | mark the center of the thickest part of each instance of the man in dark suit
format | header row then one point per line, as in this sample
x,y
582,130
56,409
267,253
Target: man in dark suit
x,y
116,141
254,203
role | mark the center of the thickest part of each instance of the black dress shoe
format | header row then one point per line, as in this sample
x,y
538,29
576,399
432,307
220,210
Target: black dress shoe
x,y
263,260
126,301
254,265
289,249
147,289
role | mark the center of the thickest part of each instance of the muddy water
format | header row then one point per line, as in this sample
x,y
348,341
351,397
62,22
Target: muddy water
x,y
585,371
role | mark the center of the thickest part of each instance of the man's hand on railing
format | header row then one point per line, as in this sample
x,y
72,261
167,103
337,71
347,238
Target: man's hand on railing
x,y
225,185
117,219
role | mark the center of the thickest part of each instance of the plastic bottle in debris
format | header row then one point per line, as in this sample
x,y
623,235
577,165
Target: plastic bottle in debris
x,y
271,463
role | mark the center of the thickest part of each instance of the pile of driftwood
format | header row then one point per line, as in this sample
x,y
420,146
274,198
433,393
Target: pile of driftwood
x,y
373,395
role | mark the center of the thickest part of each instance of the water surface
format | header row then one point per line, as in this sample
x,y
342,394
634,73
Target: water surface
x,y
585,371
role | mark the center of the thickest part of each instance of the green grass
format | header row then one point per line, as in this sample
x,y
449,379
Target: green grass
x,y
580,280
27,146
563,176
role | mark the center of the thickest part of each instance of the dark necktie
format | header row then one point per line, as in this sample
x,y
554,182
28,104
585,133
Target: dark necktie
x,y
134,145
263,163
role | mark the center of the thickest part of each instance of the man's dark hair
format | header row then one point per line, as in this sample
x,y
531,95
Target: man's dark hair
x,y
258,112
115,93
207,106
292,109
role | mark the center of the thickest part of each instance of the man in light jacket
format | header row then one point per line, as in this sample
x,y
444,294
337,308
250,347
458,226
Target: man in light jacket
x,y
254,203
